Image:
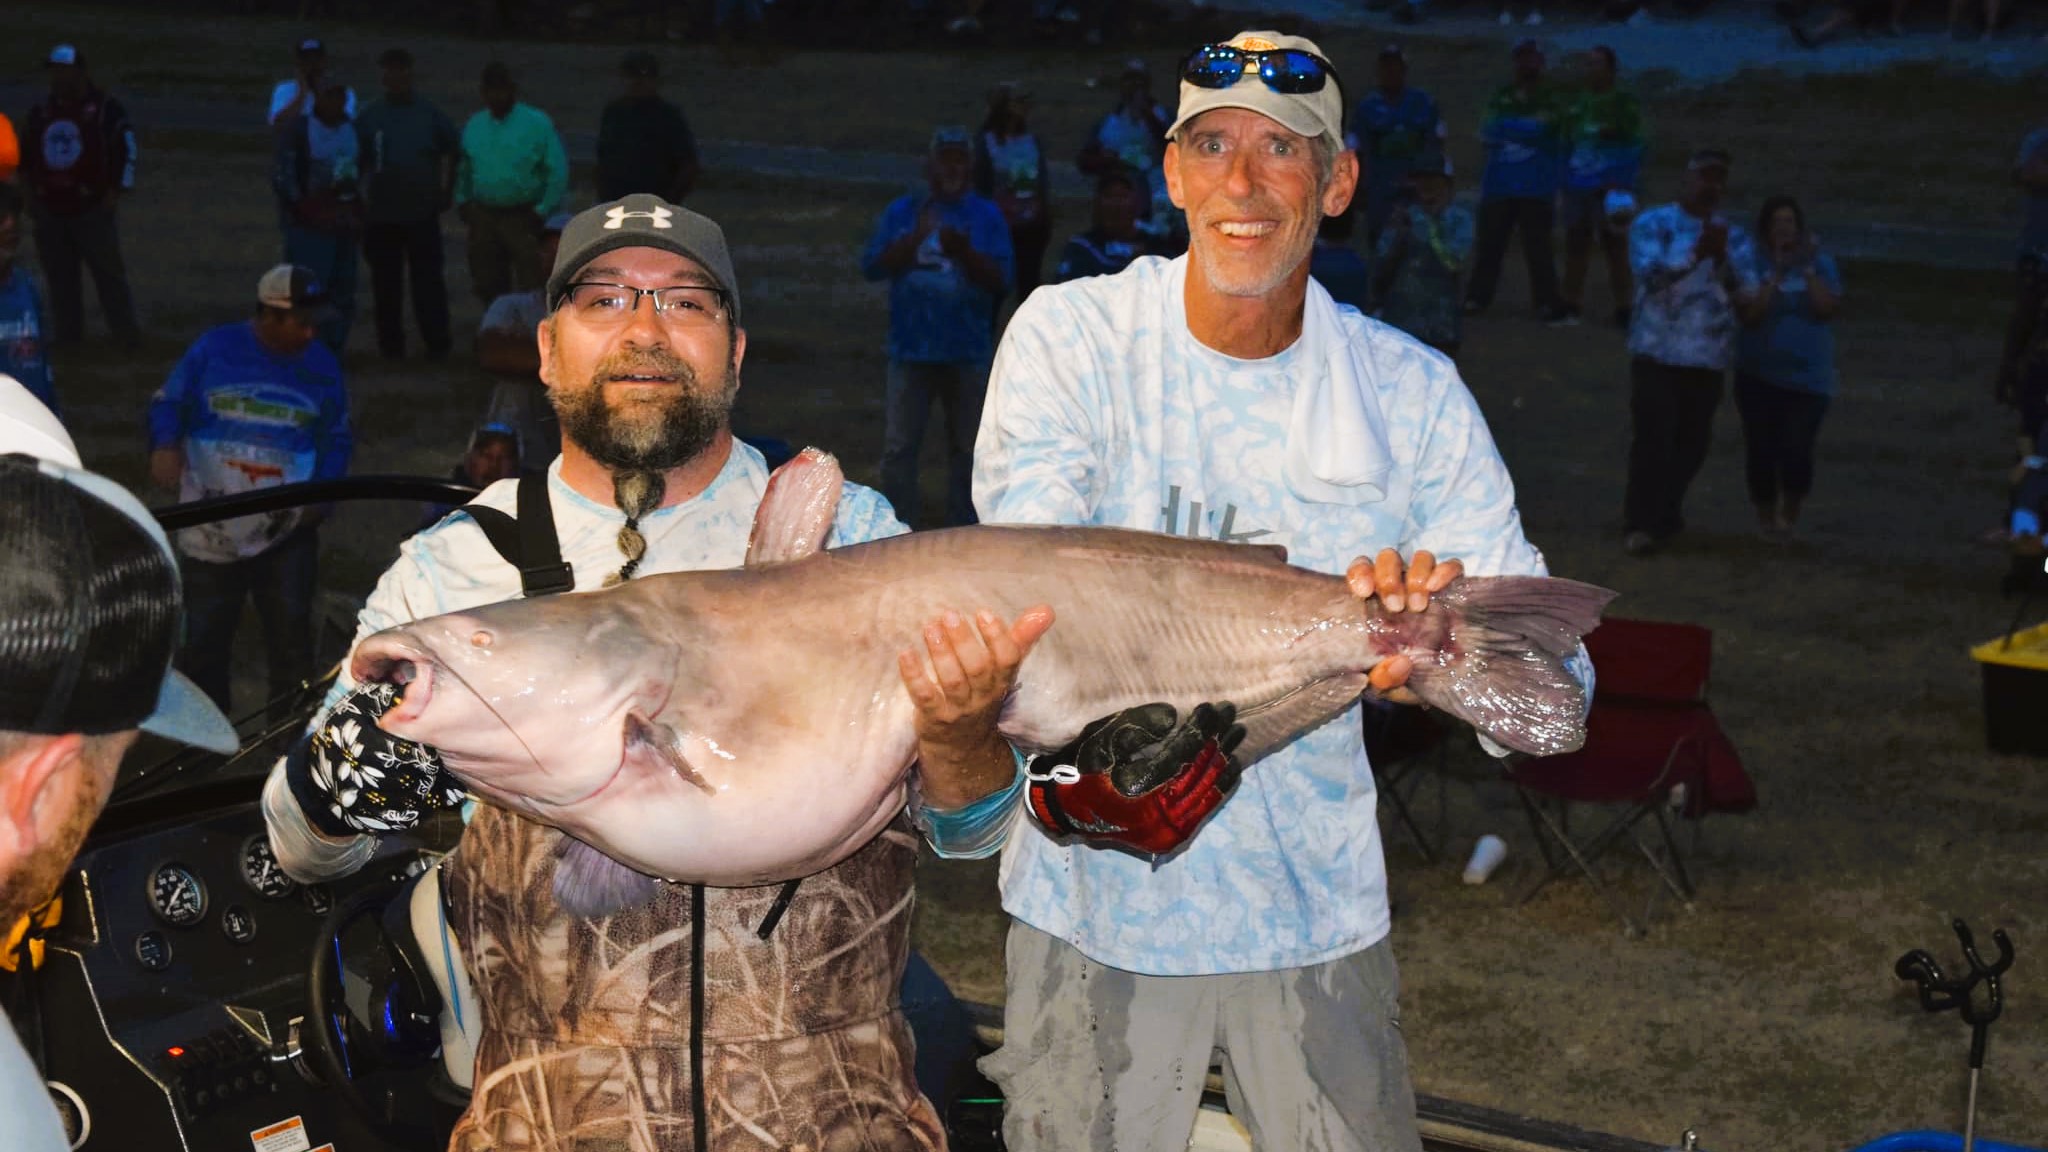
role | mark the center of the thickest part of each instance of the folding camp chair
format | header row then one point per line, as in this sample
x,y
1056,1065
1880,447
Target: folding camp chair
x,y
1653,750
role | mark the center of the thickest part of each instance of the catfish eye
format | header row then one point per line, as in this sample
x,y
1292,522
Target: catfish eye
x,y
481,639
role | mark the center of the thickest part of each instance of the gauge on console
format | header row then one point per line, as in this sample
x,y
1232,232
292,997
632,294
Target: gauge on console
x,y
261,872
177,896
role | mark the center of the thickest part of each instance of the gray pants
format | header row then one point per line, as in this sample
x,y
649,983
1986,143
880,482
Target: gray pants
x,y
1098,1058
67,245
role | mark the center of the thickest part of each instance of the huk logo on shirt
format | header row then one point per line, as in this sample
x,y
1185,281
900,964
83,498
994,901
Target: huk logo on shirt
x,y
1169,515
616,216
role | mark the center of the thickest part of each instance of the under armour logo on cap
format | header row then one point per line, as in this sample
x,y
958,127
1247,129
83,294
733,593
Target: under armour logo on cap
x,y
616,216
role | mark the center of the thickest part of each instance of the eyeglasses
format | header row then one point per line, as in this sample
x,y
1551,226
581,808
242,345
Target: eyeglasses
x,y
683,305
1289,71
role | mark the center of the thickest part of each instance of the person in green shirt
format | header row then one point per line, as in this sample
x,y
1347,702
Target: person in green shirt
x,y
511,176
1604,130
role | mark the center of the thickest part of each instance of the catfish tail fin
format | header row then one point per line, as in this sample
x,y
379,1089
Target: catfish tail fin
x,y
1502,669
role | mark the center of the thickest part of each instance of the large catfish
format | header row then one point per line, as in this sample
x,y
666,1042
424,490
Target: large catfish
x,y
745,726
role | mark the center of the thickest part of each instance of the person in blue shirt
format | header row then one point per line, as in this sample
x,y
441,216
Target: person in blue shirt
x,y
1115,240
23,354
1337,266
1394,124
1524,133
252,405
946,255
1785,361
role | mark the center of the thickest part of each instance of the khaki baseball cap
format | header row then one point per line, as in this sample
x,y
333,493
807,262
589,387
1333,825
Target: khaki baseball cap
x,y
1305,114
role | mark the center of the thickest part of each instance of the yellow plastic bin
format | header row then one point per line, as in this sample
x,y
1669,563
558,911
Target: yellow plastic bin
x,y
2016,691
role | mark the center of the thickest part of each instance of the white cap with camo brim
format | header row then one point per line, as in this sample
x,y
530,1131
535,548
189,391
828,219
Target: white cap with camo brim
x,y
1318,113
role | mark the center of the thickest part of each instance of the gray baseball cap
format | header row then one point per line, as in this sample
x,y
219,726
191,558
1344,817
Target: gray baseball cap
x,y
643,220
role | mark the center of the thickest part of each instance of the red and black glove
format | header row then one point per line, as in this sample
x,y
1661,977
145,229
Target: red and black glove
x,y
1141,778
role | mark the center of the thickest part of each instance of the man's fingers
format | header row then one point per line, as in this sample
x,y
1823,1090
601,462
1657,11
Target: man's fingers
x,y
1029,625
946,671
922,691
1441,577
969,650
1359,577
1002,648
1390,673
1420,567
1386,580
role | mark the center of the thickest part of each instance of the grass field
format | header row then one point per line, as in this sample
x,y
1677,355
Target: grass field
x,y
1768,1014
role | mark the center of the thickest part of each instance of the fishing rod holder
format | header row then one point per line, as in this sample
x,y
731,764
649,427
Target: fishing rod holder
x,y
1938,993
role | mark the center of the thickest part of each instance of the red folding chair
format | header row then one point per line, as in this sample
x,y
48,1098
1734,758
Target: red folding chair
x,y
1653,750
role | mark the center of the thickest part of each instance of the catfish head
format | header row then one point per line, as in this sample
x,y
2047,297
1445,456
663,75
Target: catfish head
x,y
535,704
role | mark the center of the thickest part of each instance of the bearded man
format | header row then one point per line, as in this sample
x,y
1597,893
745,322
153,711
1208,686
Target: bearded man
x,y
599,1030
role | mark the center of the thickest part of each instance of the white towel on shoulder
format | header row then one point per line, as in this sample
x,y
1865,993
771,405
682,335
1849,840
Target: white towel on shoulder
x,y
1336,439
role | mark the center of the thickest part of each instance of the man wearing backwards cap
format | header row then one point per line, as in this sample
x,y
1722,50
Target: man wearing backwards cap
x,y
641,354
89,616
1224,395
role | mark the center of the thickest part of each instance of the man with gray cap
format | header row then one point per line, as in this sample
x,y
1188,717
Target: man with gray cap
x,y
89,617
1224,395
600,1030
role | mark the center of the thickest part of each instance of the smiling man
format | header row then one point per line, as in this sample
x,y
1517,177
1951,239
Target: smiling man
x,y
781,1001
1225,395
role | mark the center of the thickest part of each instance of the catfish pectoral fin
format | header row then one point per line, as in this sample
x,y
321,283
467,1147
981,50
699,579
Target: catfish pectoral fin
x,y
652,737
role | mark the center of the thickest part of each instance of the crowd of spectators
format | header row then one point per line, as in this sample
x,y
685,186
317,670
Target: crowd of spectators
x,y
1699,296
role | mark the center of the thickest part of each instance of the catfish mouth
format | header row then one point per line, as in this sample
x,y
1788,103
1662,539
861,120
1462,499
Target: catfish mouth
x,y
380,660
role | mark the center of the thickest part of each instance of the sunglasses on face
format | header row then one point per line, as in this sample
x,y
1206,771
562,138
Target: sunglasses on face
x,y
1288,71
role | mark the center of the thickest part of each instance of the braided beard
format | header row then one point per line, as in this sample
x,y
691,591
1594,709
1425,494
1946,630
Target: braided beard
x,y
640,440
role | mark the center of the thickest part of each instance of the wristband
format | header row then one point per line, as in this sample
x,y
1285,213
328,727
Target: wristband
x,y
976,831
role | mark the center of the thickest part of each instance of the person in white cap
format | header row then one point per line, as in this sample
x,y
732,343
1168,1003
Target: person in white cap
x,y
1224,395
89,615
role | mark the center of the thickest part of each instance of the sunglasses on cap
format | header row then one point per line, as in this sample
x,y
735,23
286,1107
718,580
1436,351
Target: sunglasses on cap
x,y
1288,71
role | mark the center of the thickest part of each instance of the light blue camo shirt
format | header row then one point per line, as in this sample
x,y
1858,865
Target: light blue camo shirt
x,y
1685,312
1103,409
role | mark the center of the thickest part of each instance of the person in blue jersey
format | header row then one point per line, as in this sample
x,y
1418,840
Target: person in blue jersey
x,y
1115,239
1524,132
251,405
1785,361
946,255
23,351
1225,395
1395,124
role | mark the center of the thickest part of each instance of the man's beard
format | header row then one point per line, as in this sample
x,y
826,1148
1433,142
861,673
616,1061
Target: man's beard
x,y
31,882
652,435
1234,278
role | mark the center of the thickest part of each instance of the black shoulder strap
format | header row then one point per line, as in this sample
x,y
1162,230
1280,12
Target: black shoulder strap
x,y
528,543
